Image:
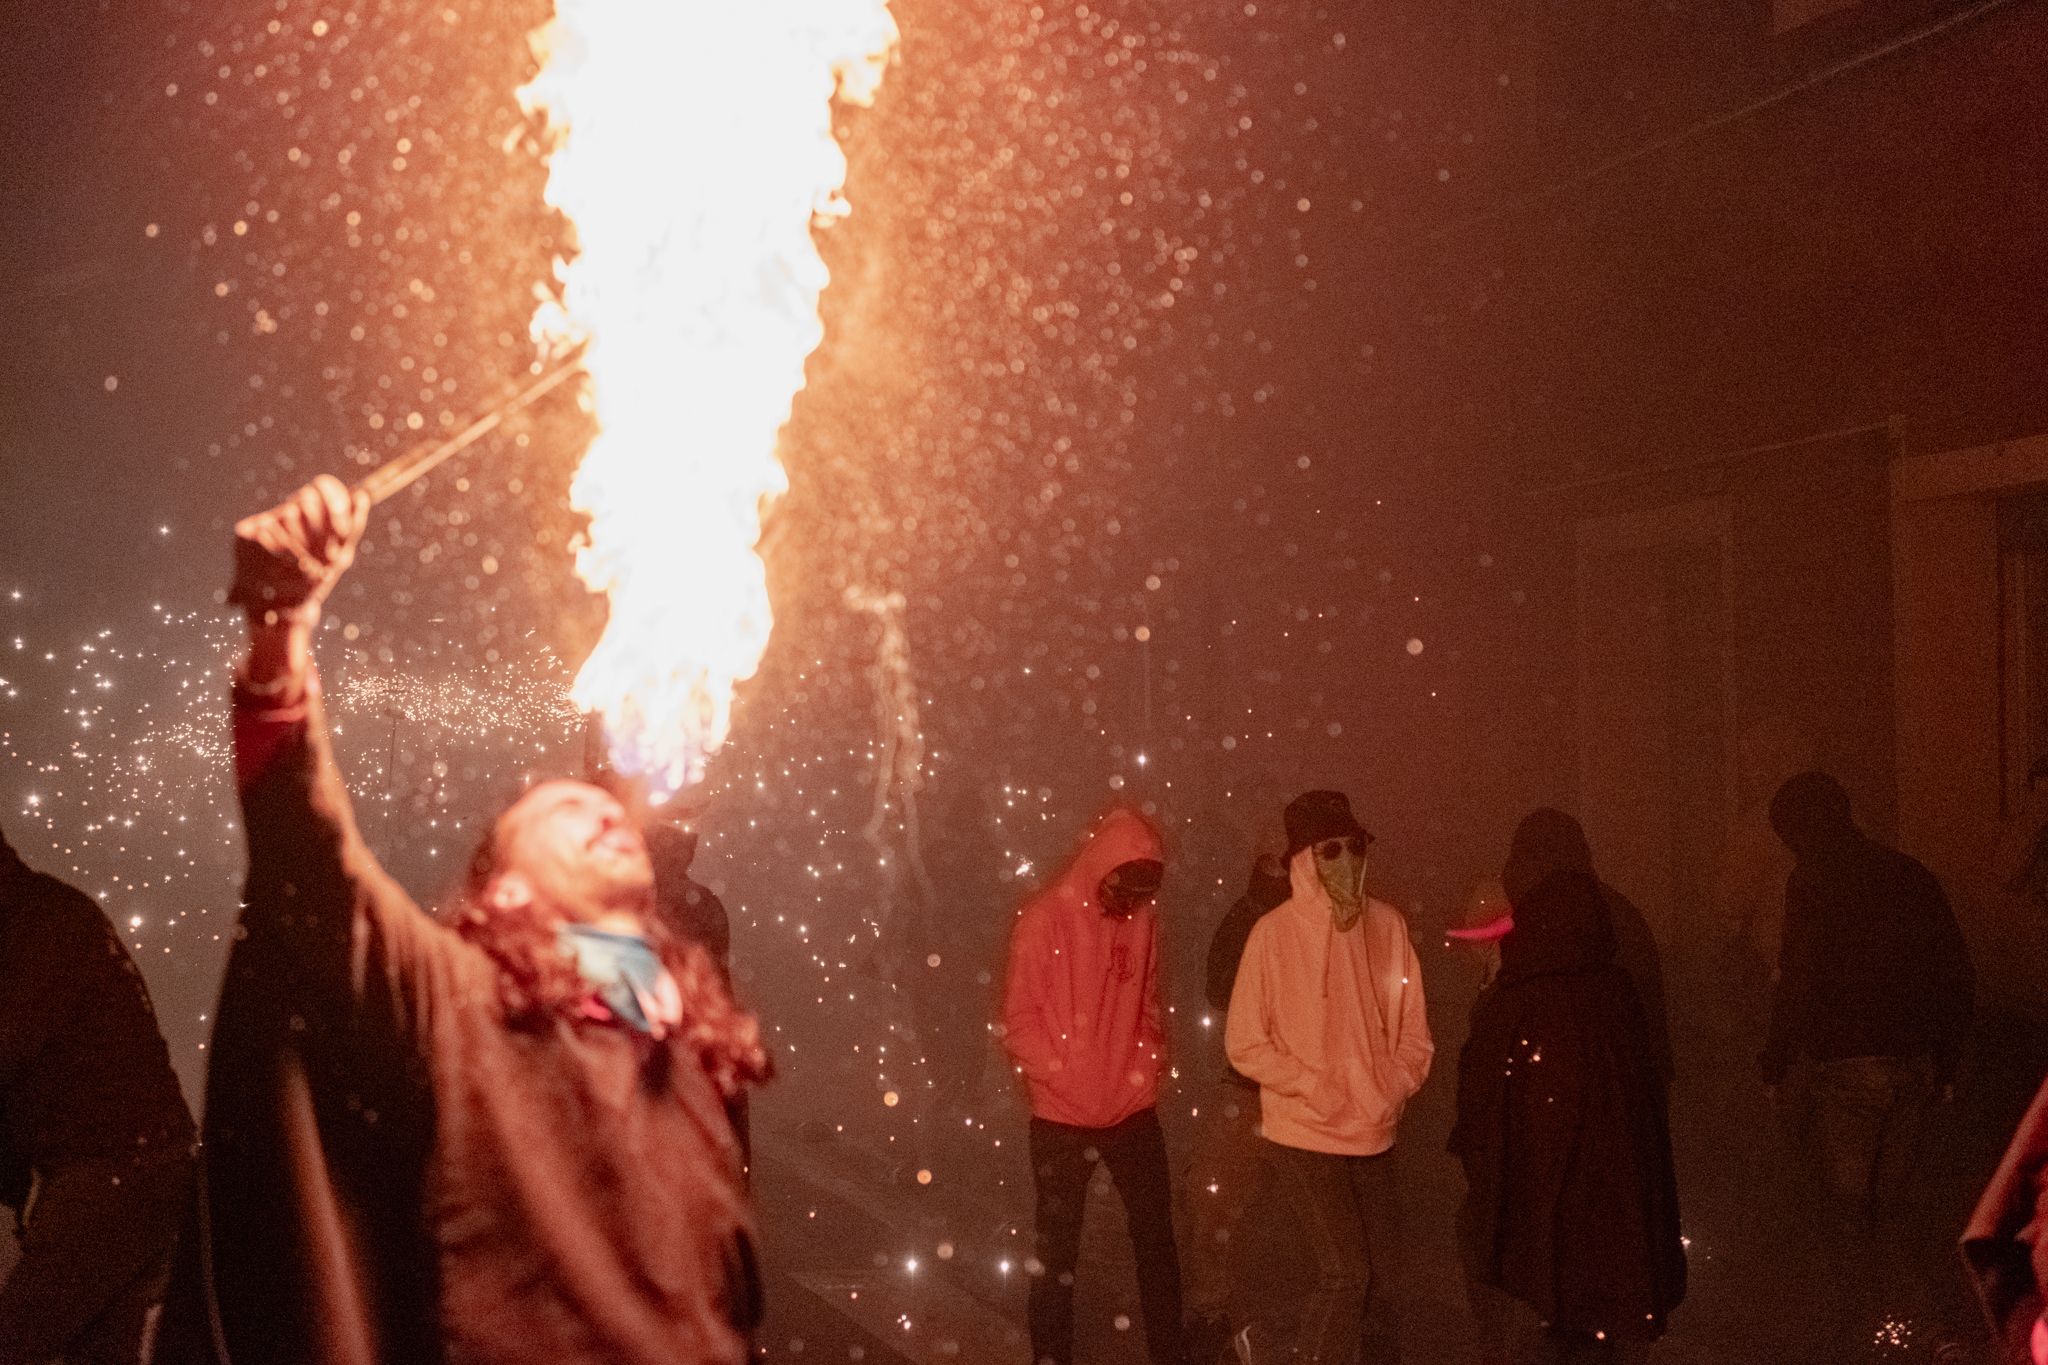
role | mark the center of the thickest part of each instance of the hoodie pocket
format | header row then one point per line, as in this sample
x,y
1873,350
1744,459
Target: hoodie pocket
x,y
1362,1094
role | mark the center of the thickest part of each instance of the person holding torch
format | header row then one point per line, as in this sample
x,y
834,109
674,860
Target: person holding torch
x,y
501,1136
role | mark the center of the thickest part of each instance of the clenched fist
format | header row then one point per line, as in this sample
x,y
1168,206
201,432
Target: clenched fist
x,y
288,559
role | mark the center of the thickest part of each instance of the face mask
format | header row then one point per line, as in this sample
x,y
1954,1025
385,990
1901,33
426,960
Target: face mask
x,y
1129,886
627,975
1340,865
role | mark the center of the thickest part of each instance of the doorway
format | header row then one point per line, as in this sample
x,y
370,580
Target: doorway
x,y
1656,774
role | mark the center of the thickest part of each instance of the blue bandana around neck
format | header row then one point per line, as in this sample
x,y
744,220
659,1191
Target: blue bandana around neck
x,y
623,969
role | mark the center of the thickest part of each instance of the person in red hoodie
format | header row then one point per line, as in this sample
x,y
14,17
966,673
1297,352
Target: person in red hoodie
x,y
1081,1022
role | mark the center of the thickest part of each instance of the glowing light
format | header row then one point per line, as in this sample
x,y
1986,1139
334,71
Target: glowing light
x,y
696,283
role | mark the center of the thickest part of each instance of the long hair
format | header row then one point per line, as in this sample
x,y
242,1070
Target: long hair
x,y
538,984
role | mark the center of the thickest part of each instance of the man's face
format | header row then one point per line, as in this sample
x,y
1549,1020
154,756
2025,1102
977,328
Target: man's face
x,y
576,850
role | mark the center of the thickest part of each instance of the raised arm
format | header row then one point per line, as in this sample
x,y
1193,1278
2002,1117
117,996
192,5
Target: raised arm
x,y
321,915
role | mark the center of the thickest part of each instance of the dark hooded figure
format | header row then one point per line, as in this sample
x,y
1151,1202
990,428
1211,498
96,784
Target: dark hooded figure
x,y
95,1139
1550,841
693,913
1222,1171
690,909
1571,1205
1874,994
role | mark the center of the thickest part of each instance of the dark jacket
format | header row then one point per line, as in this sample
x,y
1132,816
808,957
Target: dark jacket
x,y
1873,964
1264,891
693,912
84,1078
2005,1243
1571,1204
690,909
396,1174
1549,841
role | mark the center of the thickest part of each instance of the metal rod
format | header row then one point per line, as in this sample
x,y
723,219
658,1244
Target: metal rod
x,y
397,474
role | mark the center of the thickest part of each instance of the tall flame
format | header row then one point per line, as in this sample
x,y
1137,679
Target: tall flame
x,y
693,151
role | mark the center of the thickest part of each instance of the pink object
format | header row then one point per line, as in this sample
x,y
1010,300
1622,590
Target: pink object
x,y
2040,1341
1486,933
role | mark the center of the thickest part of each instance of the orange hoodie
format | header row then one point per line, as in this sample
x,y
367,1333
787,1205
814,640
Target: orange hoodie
x,y
1081,1002
1330,1024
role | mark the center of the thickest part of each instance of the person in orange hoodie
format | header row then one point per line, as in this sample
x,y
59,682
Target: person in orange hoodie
x,y
1081,1022
1327,1016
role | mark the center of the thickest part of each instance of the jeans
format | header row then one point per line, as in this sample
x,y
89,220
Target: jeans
x,y
1221,1178
1063,1160
1346,1209
1867,1115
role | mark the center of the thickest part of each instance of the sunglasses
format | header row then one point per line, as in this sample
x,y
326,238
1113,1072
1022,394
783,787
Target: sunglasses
x,y
1330,849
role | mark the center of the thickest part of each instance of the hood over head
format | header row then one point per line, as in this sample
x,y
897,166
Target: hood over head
x,y
1120,836
10,861
671,848
1561,925
1305,889
1268,884
1812,814
1547,841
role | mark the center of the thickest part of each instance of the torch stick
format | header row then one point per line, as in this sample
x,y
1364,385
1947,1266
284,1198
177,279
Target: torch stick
x,y
397,474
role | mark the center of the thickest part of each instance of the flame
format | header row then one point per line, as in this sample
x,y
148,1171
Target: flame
x,y
693,152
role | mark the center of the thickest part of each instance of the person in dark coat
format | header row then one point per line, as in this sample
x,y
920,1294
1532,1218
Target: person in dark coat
x,y
1874,995
2005,1243
1571,1203
1548,841
690,909
693,913
95,1138
498,1136
1222,1171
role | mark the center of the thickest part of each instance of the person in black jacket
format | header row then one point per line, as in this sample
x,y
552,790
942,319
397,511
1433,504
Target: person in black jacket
x,y
95,1138
1223,1168
1548,841
694,914
1571,1203
692,910
1874,995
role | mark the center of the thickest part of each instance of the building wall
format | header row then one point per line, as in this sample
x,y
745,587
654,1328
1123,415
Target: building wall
x,y
1863,258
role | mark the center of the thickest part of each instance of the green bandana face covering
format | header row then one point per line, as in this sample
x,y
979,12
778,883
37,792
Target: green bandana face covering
x,y
1340,865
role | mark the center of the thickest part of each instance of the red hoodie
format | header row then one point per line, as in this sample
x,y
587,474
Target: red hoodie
x,y
1081,1005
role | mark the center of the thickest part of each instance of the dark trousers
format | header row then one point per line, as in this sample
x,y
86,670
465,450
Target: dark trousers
x,y
94,1260
1867,1116
1865,1119
1218,1185
1063,1160
1345,1209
